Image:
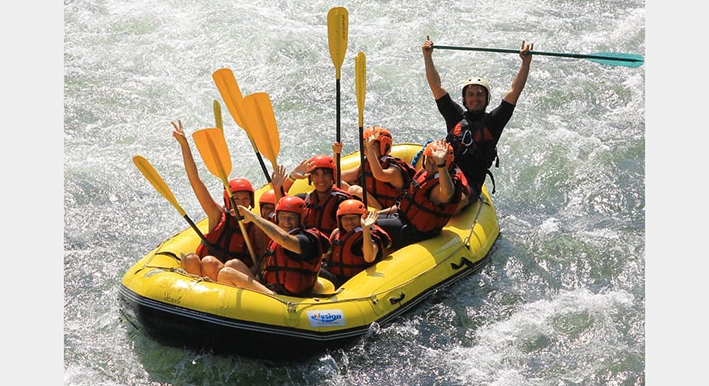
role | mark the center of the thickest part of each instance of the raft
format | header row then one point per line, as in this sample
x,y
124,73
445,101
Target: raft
x,y
179,309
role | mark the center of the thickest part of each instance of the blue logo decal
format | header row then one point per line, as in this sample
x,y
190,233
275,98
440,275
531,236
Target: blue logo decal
x,y
326,318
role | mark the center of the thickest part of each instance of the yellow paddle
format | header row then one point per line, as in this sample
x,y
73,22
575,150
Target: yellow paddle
x,y
262,122
360,88
231,94
218,115
337,29
215,153
159,184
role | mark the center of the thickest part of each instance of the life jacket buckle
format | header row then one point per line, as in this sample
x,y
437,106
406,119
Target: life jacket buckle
x,y
467,139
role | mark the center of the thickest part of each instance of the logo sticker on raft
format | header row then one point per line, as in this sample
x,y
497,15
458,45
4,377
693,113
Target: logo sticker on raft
x,y
326,318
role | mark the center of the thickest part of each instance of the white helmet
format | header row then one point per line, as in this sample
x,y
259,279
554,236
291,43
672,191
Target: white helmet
x,y
480,82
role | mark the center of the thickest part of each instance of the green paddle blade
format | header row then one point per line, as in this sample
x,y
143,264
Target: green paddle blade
x,y
617,59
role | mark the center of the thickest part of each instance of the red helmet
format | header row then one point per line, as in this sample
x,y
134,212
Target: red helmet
x,y
268,197
449,154
293,204
239,185
351,206
322,162
382,135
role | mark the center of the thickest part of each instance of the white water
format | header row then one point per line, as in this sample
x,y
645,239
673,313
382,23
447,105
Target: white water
x,y
562,301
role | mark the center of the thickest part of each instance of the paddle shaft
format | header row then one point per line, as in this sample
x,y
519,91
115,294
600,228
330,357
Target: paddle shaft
x,y
194,226
337,128
558,54
240,221
337,31
263,168
362,178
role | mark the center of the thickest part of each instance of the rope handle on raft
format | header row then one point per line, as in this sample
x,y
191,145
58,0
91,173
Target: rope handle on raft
x,y
416,157
482,201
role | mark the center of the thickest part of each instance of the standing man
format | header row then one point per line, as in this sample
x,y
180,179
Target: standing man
x,y
472,132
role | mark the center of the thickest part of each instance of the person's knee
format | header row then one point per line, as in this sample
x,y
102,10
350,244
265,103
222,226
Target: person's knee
x,y
238,265
227,275
190,263
355,190
210,266
189,258
234,263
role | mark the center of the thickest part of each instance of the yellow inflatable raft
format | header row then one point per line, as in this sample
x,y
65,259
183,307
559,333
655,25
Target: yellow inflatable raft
x,y
183,310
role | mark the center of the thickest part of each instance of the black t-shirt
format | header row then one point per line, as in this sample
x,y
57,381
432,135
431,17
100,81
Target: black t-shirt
x,y
495,121
309,247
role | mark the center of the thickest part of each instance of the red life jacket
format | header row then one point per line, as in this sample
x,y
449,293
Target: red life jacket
x,y
226,241
418,210
289,275
323,215
345,261
384,192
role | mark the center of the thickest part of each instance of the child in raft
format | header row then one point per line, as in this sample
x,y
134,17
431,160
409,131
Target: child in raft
x,y
357,243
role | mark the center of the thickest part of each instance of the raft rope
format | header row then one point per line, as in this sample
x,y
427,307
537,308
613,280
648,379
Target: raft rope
x,y
483,201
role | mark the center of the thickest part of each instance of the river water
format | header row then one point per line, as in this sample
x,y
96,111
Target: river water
x,y
562,301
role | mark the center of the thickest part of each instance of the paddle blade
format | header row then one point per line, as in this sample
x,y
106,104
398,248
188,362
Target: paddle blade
x,y
214,151
218,115
158,183
617,59
231,94
259,116
360,83
337,27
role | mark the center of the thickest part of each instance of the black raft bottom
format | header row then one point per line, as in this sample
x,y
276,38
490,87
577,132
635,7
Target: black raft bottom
x,y
189,329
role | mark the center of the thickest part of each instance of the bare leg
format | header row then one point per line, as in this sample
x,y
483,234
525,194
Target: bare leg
x,y
239,279
239,266
356,191
191,264
211,266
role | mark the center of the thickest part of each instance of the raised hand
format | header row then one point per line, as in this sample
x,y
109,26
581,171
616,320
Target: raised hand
x,y
301,171
439,151
278,177
427,47
246,214
370,219
179,133
526,52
